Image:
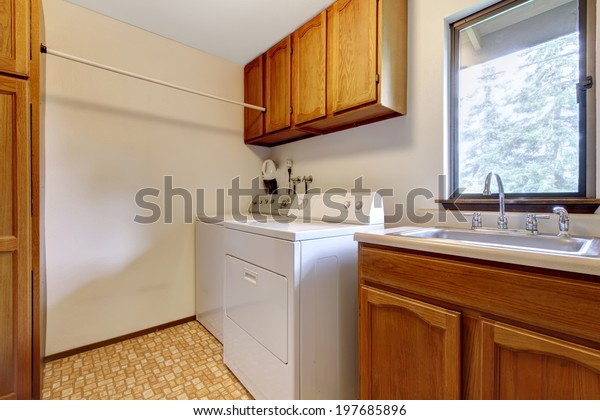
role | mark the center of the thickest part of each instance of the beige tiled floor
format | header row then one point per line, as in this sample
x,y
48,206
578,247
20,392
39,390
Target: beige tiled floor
x,y
182,362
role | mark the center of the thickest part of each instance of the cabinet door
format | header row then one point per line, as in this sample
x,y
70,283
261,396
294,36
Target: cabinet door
x,y
278,85
520,364
309,68
353,62
408,349
14,36
15,268
253,94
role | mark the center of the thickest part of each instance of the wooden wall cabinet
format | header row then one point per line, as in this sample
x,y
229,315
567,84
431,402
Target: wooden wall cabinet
x,y
433,327
353,61
254,125
14,36
20,358
366,64
348,69
309,68
276,88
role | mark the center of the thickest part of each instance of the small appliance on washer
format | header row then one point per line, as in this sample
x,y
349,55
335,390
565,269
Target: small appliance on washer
x,y
290,329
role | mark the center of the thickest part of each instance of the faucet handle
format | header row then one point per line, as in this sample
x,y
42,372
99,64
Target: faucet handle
x,y
502,222
476,221
563,221
531,223
308,179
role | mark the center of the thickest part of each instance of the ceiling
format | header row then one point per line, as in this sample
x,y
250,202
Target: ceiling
x,y
236,30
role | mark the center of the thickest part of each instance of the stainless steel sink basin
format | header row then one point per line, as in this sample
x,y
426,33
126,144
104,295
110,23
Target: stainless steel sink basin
x,y
512,239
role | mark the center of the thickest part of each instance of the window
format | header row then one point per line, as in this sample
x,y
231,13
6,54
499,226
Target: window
x,y
518,90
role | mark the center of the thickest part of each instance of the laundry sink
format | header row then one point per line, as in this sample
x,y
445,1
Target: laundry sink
x,y
510,239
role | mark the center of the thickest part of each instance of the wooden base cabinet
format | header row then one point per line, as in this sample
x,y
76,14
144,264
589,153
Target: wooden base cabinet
x,y
433,327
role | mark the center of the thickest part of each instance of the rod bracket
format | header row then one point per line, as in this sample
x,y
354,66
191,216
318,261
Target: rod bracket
x,y
43,49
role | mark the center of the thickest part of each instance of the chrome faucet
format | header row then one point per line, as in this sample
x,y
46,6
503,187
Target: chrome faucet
x,y
563,221
502,219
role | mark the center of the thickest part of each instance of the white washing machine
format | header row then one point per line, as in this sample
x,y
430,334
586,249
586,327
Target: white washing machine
x,y
291,312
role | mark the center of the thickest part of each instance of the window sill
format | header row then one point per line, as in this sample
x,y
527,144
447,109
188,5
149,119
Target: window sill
x,y
530,205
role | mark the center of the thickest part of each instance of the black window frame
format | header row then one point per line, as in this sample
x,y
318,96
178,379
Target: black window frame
x,y
584,180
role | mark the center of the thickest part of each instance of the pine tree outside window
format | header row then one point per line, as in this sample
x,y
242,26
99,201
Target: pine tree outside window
x,y
519,92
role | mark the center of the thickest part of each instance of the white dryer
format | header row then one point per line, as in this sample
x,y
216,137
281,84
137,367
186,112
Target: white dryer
x,y
291,316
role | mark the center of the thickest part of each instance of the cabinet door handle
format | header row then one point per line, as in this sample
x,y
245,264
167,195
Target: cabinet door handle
x,y
250,276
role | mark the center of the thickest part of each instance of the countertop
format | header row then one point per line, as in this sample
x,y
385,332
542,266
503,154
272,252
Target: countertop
x,y
571,263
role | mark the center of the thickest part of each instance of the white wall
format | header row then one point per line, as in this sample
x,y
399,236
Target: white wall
x,y
107,136
407,152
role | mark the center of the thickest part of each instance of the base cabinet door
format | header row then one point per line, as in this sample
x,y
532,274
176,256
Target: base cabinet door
x,y
408,349
521,364
15,251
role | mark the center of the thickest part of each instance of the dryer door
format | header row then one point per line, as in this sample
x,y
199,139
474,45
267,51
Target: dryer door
x,y
256,300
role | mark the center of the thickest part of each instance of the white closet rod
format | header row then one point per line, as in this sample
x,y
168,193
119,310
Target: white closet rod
x,y
46,50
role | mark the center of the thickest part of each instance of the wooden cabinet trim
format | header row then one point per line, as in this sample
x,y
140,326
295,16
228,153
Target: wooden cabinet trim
x,y
364,350
282,46
8,243
38,293
315,22
431,314
524,340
